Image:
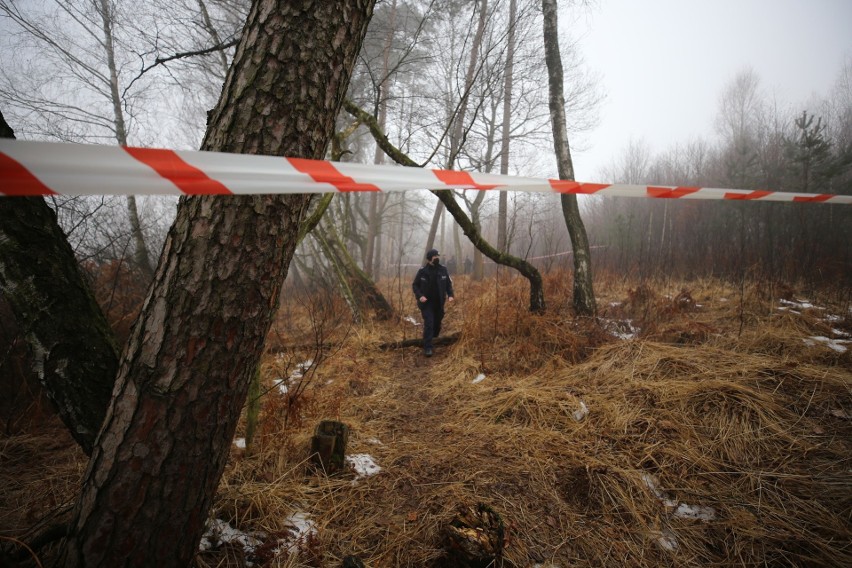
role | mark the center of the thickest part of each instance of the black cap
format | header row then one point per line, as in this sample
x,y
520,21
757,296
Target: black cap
x,y
432,253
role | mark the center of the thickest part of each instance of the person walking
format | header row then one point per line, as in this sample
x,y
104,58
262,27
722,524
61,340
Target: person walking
x,y
432,287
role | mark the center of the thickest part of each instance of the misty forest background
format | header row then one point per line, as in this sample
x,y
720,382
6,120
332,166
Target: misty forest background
x,y
736,409
460,85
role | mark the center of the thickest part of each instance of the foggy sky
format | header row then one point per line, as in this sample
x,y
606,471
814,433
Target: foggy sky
x,y
664,63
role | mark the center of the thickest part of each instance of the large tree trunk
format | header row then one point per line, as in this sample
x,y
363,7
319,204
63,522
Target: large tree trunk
x,y
188,363
584,295
71,342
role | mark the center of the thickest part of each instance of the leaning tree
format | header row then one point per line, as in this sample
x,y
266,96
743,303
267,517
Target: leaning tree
x,y
185,371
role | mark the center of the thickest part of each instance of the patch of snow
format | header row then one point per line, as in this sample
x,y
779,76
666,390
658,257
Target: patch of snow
x,y
839,332
783,309
681,510
479,378
614,304
301,369
835,344
667,540
374,441
652,484
685,511
281,384
723,299
830,318
363,465
801,304
582,412
622,329
300,528
219,532
240,443
411,320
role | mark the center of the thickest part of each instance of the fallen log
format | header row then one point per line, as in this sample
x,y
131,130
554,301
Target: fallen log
x,y
418,342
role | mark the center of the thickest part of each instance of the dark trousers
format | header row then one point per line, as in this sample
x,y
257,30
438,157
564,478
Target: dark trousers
x,y
433,315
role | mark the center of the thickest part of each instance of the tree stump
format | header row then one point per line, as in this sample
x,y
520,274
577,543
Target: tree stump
x,y
328,446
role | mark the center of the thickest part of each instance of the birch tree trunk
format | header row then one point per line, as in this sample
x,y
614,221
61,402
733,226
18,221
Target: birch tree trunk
x,y
185,372
142,259
458,129
371,261
584,295
503,204
71,342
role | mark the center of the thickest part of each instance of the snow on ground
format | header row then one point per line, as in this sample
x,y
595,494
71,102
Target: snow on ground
x,y
363,464
411,320
681,510
800,304
835,344
219,532
582,412
240,443
622,329
300,528
479,378
299,372
667,540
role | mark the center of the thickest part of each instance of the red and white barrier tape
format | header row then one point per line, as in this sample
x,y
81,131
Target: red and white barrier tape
x,y
48,168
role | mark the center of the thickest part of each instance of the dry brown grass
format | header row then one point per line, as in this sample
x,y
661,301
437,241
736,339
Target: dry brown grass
x,y
716,404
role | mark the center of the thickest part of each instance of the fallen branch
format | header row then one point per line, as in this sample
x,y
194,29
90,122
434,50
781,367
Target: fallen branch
x,y
418,342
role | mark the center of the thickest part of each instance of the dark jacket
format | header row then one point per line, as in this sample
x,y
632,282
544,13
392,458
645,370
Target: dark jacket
x,y
422,284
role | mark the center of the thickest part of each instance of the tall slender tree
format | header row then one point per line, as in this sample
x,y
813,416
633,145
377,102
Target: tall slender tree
x,y
584,295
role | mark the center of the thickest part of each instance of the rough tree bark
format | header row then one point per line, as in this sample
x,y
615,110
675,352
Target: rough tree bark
x,y
186,369
526,269
72,344
584,295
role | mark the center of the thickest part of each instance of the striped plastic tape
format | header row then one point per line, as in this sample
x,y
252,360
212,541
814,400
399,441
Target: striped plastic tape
x,y
50,168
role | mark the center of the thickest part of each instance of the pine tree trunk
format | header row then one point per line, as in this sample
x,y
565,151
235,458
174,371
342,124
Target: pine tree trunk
x,y
185,372
72,344
584,295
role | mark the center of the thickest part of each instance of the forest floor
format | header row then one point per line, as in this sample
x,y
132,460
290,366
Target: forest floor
x,y
695,424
